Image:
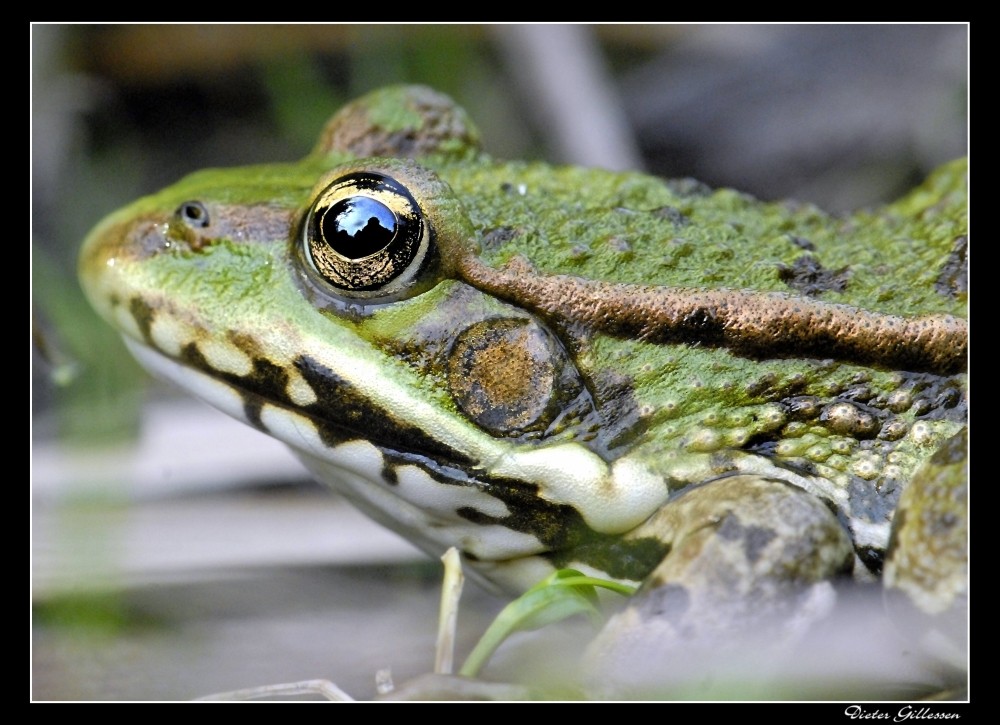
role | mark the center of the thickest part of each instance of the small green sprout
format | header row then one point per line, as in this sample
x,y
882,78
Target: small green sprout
x,y
560,595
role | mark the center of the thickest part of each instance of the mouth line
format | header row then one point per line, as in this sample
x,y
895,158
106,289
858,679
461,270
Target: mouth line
x,y
339,414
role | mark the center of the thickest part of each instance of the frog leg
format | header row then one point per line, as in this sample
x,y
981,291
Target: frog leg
x,y
927,560
750,563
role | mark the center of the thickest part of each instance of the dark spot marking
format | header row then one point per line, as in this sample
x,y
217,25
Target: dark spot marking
x,y
802,243
265,383
620,423
670,602
265,376
389,475
143,315
730,529
872,557
497,238
700,323
755,538
192,357
952,280
809,277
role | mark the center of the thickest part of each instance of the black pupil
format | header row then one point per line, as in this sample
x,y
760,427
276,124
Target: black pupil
x,y
358,227
194,213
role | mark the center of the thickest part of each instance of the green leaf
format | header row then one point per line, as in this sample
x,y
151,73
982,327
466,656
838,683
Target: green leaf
x,y
558,596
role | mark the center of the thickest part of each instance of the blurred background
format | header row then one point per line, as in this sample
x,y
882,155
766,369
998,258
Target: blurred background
x,y
174,553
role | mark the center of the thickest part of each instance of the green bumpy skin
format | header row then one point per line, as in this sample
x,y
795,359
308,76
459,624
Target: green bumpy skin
x,y
608,371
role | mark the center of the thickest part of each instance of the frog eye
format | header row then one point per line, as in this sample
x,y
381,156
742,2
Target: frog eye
x,y
366,236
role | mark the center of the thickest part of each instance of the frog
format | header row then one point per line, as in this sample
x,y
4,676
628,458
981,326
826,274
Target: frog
x,y
719,400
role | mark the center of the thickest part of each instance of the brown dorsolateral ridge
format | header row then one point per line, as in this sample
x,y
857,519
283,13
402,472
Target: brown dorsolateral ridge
x,y
756,324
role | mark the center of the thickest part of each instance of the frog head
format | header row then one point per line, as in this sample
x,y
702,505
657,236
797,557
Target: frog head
x,y
529,362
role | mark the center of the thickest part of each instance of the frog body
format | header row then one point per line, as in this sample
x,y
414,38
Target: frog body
x,y
544,366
